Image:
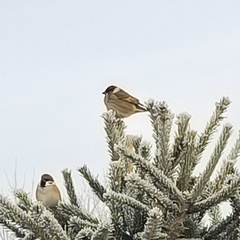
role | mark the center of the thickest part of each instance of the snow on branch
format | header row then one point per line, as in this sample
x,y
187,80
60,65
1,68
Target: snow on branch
x,y
218,197
135,181
124,199
68,182
212,125
161,119
66,211
93,182
50,228
77,223
156,173
153,226
220,146
114,128
104,231
228,164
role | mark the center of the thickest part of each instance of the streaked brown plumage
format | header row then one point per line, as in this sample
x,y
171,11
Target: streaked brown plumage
x,y
48,192
121,102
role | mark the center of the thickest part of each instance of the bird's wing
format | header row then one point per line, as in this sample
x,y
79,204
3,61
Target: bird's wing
x,y
122,95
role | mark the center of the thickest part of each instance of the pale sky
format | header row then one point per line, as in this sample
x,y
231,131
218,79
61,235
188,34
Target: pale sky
x,y
57,57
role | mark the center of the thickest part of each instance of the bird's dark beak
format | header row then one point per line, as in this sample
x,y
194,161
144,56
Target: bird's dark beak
x,y
103,92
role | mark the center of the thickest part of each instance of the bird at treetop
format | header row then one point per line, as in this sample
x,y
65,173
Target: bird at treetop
x,y
121,102
48,192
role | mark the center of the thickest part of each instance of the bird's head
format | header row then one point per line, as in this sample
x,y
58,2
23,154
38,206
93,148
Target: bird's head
x,y
109,89
46,178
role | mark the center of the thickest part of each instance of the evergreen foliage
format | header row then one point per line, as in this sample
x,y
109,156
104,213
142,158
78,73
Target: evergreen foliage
x,y
150,195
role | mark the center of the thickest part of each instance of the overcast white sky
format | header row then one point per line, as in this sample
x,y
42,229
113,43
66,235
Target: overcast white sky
x,y
57,57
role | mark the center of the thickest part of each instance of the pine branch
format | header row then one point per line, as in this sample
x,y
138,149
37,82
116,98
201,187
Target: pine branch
x,y
24,220
185,165
235,202
153,226
97,188
161,119
30,236
204,178
225,193
45,219
158,175
215,231
183,124
124,199
23,200
118,171
227,167
133,220
211,126
76,224
103,232
192,225
85,234
6,233
215,215
11,227
135,182
67,211
68,183
232,229
53,226
140,146
180,141
14,217
114,128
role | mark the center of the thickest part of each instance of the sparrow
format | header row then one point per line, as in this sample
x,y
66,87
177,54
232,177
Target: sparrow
x,y
121,102
48,192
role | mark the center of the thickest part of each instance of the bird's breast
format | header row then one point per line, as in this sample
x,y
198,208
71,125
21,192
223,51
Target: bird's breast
x,y
48,195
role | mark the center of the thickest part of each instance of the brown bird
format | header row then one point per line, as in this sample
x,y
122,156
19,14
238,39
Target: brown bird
x,y
48,192
121,102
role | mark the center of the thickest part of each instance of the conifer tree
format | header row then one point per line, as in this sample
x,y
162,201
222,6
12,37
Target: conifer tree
x,y
152,193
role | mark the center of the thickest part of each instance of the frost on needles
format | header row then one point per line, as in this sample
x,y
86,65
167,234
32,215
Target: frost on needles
x,y
151,193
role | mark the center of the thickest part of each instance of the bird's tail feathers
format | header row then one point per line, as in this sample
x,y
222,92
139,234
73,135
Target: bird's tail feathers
x,y
141,108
